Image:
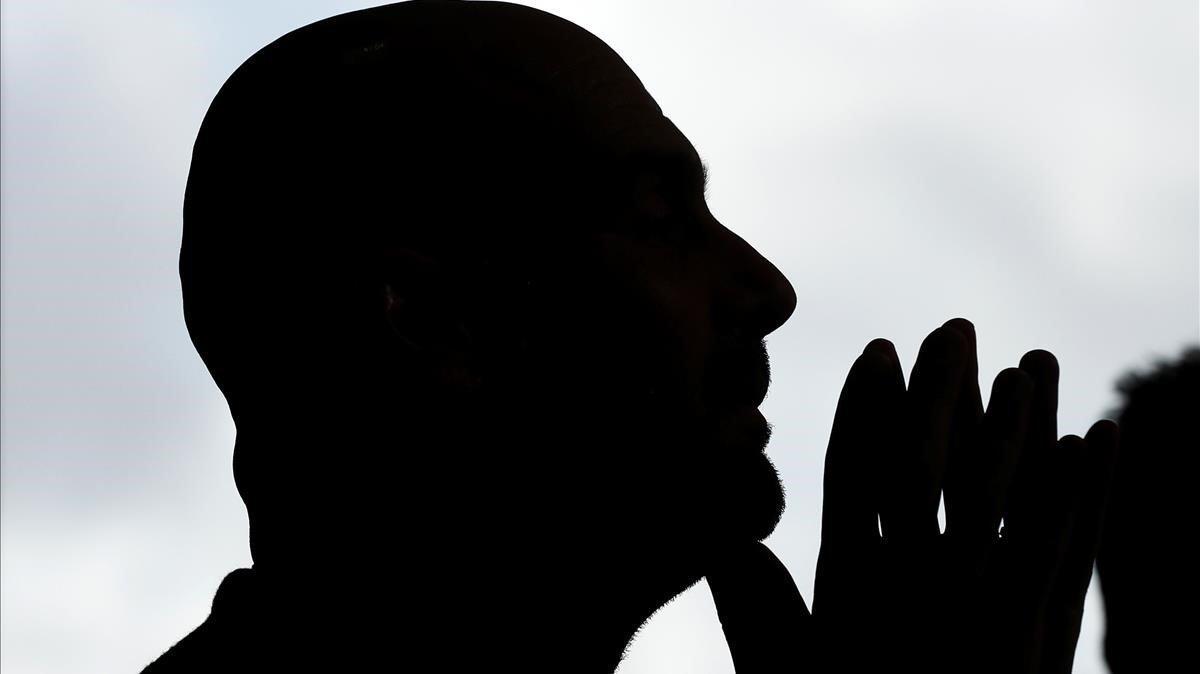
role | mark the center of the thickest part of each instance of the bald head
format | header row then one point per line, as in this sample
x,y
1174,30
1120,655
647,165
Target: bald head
x,y
454,271
438,126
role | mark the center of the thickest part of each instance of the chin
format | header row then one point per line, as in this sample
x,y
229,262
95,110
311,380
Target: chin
x,y
741,494
759,510
745,499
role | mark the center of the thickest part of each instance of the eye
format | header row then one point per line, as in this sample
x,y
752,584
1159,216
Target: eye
x,y
658,202
658,212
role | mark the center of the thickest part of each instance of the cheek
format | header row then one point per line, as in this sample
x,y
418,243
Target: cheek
x,y
642,354
623,330
686,342
667,330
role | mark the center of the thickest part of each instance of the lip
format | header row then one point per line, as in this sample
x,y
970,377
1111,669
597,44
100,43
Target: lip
x,y
742,429
739,378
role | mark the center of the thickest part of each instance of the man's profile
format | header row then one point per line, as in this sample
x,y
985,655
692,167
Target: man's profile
x,y
495,370
454,273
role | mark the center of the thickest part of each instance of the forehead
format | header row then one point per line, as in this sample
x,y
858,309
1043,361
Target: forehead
x,y
620,121
588,91
651,141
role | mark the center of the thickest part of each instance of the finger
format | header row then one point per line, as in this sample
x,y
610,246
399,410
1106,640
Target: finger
x,y
1039,526
975,498
1099,460
1103,440
1065,606
764,618
870,400
1042,366
964,461
1041,439
915,465
850,512
970,402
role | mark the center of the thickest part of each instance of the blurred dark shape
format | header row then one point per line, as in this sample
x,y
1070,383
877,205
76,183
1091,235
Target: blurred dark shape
x,y
1144,560
494,365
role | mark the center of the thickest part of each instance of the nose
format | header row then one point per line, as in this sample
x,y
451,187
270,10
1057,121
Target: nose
x,y
755,297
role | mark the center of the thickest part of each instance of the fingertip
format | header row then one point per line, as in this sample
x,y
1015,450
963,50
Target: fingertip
x,y
1069,462
962,326
735,558
1013,381
1040,362
1103,449
760,608
746,578
882,347
870,362
947,342
1072,443
1104,436
1105,428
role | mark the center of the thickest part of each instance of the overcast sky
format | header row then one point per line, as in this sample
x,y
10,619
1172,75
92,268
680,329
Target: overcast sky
x,y
1029,165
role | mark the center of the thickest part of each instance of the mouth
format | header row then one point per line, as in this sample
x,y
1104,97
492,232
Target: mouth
x,y
743,428
738,377
749,494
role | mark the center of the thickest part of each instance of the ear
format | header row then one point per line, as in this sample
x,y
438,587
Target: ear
x,y
428,319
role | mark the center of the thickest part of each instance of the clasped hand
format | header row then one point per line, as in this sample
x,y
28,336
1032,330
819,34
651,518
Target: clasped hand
x,y
1000,591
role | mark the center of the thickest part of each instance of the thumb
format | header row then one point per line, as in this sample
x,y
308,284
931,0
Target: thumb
x,y
765,620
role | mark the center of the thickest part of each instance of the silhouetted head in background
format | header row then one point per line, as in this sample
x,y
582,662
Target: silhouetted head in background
x,y
1147,554
490,356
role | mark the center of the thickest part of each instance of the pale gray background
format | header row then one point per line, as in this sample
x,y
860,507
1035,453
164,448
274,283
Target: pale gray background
x,y
1029,165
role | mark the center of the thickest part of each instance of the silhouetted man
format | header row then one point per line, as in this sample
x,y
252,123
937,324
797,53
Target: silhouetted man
x,y
494,366
1144,561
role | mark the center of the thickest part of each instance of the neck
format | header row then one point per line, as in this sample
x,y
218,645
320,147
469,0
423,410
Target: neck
x,y
451,625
